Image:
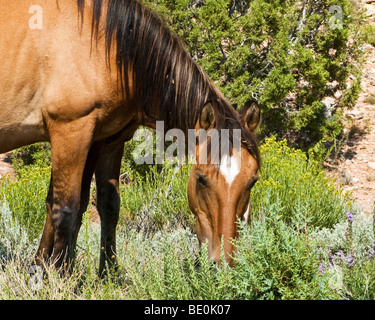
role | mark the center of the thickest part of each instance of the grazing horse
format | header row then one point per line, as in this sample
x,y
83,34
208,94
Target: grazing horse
x,y
84,75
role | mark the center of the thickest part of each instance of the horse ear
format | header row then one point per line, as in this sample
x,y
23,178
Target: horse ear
x,y
251,116
207,117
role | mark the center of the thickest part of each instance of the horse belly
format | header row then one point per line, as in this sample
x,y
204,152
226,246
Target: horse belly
x,y
21,121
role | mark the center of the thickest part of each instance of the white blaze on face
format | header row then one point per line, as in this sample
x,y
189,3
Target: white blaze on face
x,y
229,168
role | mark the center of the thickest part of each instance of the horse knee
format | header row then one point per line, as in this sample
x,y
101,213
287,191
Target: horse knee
x,y
63,220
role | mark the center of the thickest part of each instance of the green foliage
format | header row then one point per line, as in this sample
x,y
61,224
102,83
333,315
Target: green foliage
x,y
36,154
169,268
26,197
287,54
276,261
26,194
289,178
347,255
279,255
157,199
273,262
130,168
359,282
13,238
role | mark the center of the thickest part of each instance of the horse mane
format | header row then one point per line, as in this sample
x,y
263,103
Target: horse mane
x,y
168,84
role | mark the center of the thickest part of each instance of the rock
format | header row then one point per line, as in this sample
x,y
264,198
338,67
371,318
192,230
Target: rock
x,y
371,165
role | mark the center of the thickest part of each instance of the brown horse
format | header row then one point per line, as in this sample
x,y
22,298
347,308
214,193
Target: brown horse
x,y
84,75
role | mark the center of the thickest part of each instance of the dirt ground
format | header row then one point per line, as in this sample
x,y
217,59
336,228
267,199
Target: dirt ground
x,y
355,168
5,165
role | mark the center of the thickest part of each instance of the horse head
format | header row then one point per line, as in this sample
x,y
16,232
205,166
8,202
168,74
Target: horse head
x,y
219,194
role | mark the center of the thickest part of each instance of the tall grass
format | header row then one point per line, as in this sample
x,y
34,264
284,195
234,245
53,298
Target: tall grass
x,y
157,199
298,222
162,266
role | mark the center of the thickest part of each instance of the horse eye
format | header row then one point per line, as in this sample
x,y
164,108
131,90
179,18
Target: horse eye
x,y
201,180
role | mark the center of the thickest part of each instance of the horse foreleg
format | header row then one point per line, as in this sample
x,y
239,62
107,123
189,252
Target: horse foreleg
x,y
48,236
108,201
44,251
70,147
92,160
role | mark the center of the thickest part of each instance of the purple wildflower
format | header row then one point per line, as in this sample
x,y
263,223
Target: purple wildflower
x,y
372,253
350,260
340,254
332,258
321,268
349,216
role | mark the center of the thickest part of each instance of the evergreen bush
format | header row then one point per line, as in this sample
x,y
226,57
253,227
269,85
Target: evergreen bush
x,y
290,55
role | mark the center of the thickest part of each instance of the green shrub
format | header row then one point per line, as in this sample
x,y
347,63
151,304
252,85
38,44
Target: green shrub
x,y
286,54
276,261
358,283
157,199
36,154
163,267
26,197
347,256
130,168
279,255
299,185
13,238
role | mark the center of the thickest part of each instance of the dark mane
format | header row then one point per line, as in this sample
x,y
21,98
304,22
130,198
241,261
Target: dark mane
x,y
167,82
